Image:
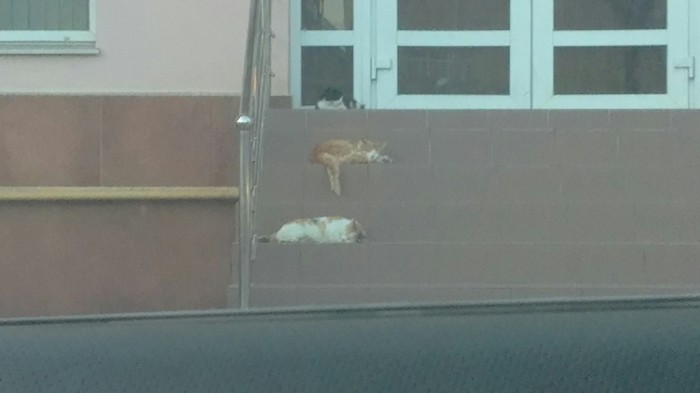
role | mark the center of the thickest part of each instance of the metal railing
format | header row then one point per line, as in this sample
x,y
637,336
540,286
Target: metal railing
x,y
255,98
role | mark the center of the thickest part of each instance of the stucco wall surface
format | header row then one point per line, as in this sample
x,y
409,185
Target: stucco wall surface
x,y
153,47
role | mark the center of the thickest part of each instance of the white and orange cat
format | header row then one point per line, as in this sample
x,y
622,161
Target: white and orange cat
x,y
326,230
333,152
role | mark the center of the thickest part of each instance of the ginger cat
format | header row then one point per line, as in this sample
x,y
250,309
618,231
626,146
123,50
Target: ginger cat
x,y
326,230
333,152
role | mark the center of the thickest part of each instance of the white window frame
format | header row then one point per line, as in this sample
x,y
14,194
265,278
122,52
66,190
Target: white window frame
x,y
694,45
52,42
545,39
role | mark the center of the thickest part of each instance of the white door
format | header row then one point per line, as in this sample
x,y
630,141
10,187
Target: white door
x,y
493,54
452,54
611,54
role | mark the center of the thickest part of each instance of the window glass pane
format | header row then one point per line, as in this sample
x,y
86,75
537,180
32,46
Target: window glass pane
x,y
80,19
454,14
323,67
609,14
44,15
610,70
326,14
454,70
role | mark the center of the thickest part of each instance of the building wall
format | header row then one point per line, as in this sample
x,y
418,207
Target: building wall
x,y
90,257
156,107
118,141
64,258
154,47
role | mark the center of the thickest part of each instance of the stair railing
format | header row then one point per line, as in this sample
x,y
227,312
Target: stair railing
x,y
255,98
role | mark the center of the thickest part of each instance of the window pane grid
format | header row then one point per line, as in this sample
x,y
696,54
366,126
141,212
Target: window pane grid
x,y
44,15
324,67
610,38
610,70
610,14
327,15
453,15
451,70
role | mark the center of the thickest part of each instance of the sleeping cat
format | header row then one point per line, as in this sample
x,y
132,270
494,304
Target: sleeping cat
x,y
333,152
333,99
318,230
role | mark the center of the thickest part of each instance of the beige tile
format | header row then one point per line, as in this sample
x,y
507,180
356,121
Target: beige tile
x,y
460,147
106,258
458,119
519,119
564,121
333,264
225,142
464,183
640,119
638,147
50,140
158,141
593,184
399,183
396,120
582,147
276,264
523,147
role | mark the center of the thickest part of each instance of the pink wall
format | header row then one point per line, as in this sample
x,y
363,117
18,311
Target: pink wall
x,y
153,47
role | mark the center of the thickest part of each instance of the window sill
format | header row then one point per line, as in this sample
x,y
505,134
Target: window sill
x,y
48,48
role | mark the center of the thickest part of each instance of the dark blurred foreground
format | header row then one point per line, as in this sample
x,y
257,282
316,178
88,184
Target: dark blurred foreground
x,y
585,346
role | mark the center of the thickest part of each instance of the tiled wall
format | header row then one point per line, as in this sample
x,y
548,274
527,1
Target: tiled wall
x,y
487,205
117,141
68,258
78,258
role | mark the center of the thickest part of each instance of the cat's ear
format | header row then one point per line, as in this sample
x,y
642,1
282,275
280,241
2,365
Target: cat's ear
x,y
356,226
360,234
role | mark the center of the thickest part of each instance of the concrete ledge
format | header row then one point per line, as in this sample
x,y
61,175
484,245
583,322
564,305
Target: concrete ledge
x,y
34,194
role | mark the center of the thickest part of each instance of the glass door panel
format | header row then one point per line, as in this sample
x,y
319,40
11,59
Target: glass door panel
x,y
610,70
452,54
610,54
323,67
453,15
329,48
610,15
453,70
327,15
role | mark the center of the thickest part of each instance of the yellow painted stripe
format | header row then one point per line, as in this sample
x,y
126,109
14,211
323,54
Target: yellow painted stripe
x,y
117,193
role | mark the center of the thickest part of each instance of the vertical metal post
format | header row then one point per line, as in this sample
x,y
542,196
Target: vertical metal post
x,y
245,229
254,100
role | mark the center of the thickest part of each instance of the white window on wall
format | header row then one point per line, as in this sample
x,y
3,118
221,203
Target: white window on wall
x,y
47,27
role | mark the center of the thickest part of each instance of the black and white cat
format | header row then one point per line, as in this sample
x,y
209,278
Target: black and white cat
x,y
334,99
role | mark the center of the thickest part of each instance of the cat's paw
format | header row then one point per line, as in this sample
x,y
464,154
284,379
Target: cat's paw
x,y
385,159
